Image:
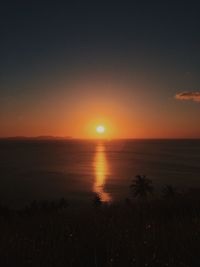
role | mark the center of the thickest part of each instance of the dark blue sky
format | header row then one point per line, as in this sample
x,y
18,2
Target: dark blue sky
x,y
46,43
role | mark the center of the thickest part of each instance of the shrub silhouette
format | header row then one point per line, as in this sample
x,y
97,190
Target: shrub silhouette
x,y
97,201
63,203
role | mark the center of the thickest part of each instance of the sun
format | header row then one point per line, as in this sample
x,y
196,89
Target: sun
x,y
100,129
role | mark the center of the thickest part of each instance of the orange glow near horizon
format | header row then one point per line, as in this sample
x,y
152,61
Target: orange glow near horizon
x,y
101,128
93,104
101,170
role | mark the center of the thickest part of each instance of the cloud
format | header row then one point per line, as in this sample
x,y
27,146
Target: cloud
x,y
194,96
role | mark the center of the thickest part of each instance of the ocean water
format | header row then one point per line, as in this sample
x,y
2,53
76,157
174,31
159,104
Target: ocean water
x,y
46,170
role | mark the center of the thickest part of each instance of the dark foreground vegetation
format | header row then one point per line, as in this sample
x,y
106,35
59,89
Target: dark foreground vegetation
x,y
146,231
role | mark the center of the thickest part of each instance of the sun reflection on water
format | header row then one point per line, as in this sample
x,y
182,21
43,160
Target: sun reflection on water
x,y
101,171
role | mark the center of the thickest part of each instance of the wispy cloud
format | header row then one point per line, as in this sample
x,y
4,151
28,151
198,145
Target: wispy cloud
x,y
194,96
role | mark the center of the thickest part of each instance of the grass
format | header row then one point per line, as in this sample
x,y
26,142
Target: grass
x,y
159,232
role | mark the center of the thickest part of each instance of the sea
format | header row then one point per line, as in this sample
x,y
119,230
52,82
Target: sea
x,y
77,170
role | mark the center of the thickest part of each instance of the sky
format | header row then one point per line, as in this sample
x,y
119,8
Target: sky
x,y
66,67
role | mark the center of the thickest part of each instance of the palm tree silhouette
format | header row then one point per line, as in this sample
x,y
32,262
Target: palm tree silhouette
x,y
141,186
169,191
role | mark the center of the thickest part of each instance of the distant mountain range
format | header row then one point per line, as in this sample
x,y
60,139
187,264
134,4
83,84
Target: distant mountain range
x,y
41,137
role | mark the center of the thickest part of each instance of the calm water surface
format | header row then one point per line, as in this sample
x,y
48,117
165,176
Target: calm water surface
x,y
76,169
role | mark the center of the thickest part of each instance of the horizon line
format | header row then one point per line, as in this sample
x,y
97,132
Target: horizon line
x,y
49,137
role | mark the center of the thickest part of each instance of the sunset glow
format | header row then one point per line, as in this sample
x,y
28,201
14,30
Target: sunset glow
x,y
106,85
100,129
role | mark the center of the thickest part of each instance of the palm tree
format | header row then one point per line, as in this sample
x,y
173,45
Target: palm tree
x,y
169,191
141,186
